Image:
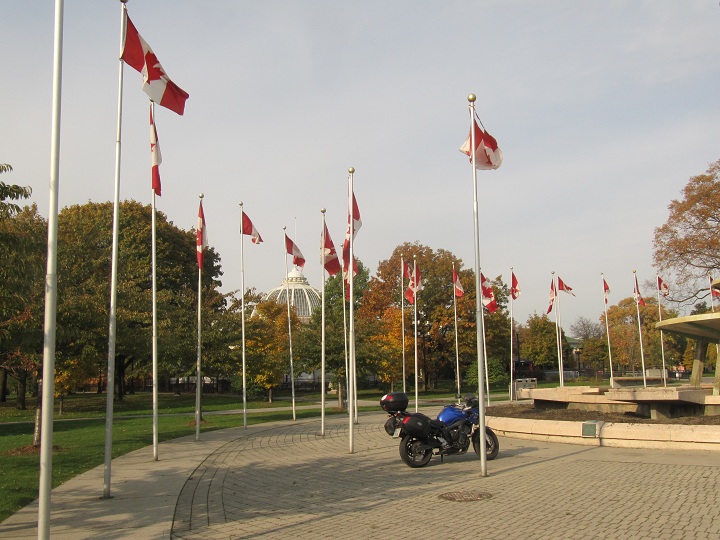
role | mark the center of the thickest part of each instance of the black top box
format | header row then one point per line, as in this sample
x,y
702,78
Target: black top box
x,y
394,402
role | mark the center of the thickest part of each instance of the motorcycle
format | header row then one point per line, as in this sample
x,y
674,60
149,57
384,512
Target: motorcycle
x,y
451,433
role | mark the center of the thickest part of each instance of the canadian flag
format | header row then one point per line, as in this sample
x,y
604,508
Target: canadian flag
x,y
354,223
563,287
606,290
202,239
459,291
329,256
156,83
155,155
514,287
247,227
488,297
292,249
714,293
662,287
553,294
487,154
415,284
636,294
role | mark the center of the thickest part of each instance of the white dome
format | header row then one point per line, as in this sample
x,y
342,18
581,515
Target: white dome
x,y
303,297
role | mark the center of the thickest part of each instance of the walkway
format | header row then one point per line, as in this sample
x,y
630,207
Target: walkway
x,y
282,480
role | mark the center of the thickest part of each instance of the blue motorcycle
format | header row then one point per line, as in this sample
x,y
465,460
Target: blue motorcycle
x,y
421,436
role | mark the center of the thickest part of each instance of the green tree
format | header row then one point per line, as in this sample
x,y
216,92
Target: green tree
x,y
539,342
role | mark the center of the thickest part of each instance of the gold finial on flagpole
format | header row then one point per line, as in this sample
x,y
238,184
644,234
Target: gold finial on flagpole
x,y
471,98
201,195
351,170
322,210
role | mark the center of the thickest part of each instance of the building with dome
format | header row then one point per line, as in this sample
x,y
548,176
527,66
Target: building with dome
x,y
303,297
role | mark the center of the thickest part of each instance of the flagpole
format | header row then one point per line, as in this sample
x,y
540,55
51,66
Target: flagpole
x,y
416,287
322,327
352,403
345,344
154,323
607,332
287,296
487,378
402,316
457,350
479,318
48,380
242,316
662,341
642,349
558,332
512,359
112,329
198,378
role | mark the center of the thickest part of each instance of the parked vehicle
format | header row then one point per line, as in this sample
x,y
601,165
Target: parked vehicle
x,y
451,433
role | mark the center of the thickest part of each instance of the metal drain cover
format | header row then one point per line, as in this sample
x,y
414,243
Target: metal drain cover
x,y
465,496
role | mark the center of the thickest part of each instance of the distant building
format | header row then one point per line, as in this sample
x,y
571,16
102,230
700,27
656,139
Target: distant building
x,y
303,297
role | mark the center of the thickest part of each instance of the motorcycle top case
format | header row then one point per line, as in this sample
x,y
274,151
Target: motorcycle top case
x,y
394,402
416,425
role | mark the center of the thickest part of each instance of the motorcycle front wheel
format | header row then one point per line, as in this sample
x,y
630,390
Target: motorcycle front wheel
x,y
410,454
492,445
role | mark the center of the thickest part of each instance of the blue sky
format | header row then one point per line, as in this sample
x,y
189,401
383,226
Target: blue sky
x,y
603,111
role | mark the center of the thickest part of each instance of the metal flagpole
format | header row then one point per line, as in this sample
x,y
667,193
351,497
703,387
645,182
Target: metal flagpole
x,y
642,349
487,378
479,318
457,350
607,332
351,312
402,316
345,342
322,327
154,313
287,295
662,340
558,318
512,359
48,380
416,287
198,376
242,316
112,330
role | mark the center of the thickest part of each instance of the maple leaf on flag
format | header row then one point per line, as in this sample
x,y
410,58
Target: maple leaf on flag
x,y
354,223
156,157
636,294
563,287
247,227
514,287
459,291
328,255
202,239
292,249
662,287
488,296
553,294
487,154
415,284
138,55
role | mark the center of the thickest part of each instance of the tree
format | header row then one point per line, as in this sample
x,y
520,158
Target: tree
x,y
594,342
539,342
688,244
11,192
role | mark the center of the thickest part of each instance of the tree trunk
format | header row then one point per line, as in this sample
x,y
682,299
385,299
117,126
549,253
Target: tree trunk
x,y
38,421
269,395
100,381
21,389
340,394
3,386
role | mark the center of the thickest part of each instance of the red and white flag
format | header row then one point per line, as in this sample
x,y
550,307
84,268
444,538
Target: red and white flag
x,y
292,249
248,228
714,293
155,155
606,290
459,291
355,223
563,287
636,294
662,287
487,154
514,287
406,270
553,294
415,284
156,83
202,239
329,256
488,296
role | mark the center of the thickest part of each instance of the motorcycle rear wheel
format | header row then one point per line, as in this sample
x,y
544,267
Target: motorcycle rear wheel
x,y
492,445
410,455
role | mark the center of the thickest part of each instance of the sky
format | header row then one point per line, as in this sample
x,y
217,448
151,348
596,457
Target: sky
x,y
603,112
